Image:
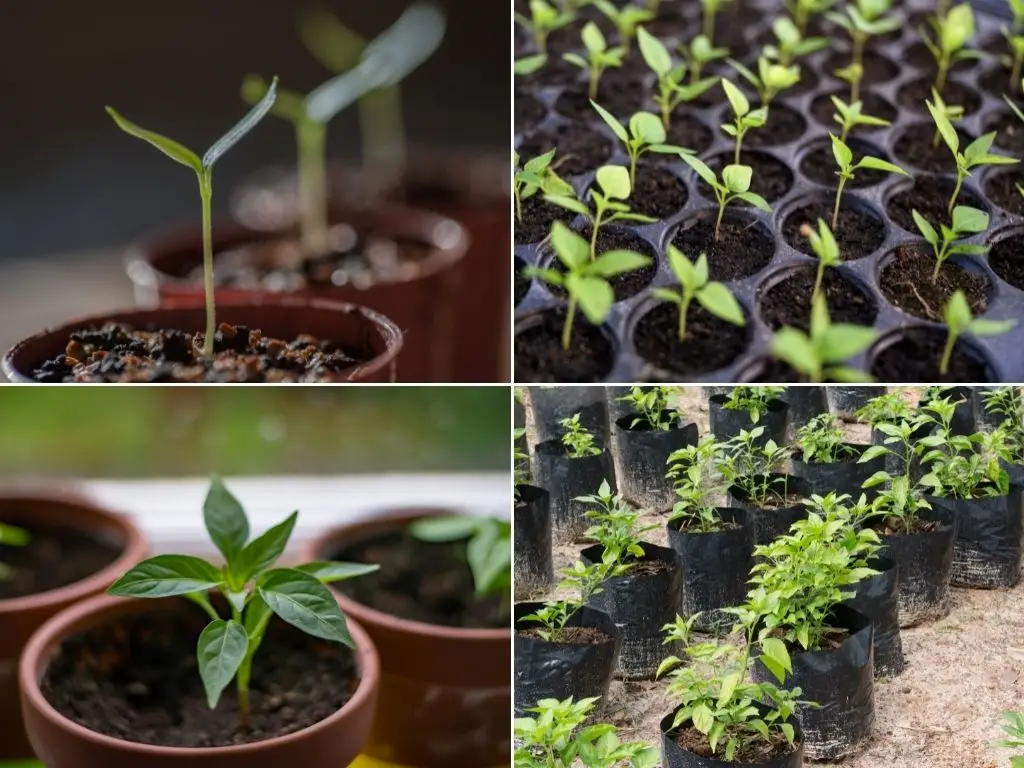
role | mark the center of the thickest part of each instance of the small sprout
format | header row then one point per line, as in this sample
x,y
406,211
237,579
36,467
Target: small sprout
x,y
544,19
771,78
711,8
952,113
529,64
824,245
862,20
10,536
976,153
599,56
792,45
645,134
585,279
744,117
967,221
536,175
849,116
735,185
844,159
957,314
699,52
626,19
953,30
203,168
671,90
615,186
694,284
488,547
821,354
803,10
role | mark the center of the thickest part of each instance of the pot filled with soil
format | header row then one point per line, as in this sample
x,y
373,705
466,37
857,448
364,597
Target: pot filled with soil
x,y
444,648
258,340
726,423
780,507
844,475
531,524
566,478
113,682
877,597
71,549
686,747
548,406
640,452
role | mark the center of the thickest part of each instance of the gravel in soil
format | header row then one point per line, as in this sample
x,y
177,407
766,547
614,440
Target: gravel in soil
x,y
521,283
916,356
119,353
1001,189
743,247
625,284
906,282
858,231
916,147
822,109
578,149
1006,257
913,95
136,679
771,178
538,216
784,125
819,165
710,343
539,356
930,197
52,558
788,302
658,192
687,131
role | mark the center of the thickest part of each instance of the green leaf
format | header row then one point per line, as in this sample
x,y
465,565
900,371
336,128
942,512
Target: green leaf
x,y
169,147
967,219
221,650
592,38
945,127
529,64
737,177
843,340
880,165
841,152
990,327
648,128
701,169
739,102
242,127
572,249
263,551
775,649
489,555
445,528
594,295
328,572
617,128
654,52
957,312
612,263
702,718
729,683
719,301
302,601
755,200
225,519
166,576
927,230
795,348
682,268
614,181
569,203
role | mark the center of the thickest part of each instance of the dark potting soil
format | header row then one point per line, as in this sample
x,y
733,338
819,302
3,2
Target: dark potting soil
x,y
1001,189
647,567
783,126
618,94
906,282
52,558
1006,258
557,71
915,357
710,343
929,195
120,353
570,635
658,192
788,302
771,179
538,216
822,108
744,246
781,500
694,527
996,81
687,131
610,239
539,355
420,581
896,527
819,165
858,232
915,147
521,284
578,149
136,679
750,751
529,111
878,68
1009,133
913,95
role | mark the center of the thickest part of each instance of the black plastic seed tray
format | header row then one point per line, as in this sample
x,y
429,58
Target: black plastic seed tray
x,y
896,62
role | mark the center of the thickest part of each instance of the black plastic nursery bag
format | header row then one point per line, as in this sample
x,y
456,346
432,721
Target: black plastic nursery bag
x,y
770,523
531,529
565,479
846,475
726,423
877,597
641,456
675,756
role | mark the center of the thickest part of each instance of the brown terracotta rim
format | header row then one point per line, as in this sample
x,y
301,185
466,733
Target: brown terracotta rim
x,y
134,549
94,611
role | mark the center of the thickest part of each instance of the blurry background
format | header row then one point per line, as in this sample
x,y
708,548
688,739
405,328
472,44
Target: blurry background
x,y
74,188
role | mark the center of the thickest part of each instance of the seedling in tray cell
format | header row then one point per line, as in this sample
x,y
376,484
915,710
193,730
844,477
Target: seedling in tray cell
x,y
862,19
824,246
585,280
744,118
804,10
844,159
953,113
771,79
671,89
821,354
697,484
700,52
11,536
735,185
599,56
849,116
488,547
966,221
626,19
952,32
645,133
957,314
791,45
584,581
544,19
710,10
577,439
536,175
253,590
617,527
715,297
651,405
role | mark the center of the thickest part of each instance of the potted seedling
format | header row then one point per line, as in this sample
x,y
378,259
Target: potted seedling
x,y
805,10
626,20
694,283
599,57
863,19
672,89
544,19
55,551
828,461
744,118
966,222
771,79
536,175
744,407
844,160
107,649
644,134
952,33
850,116
439,611
1005,406
532,520
714,543
698,54
734,185
792,44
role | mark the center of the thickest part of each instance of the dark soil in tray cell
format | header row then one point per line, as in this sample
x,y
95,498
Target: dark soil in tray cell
x,y
919,56
915,358
930,197
784,125
913,95
529,111
578,149
1001,189
538,216
539,355
878,68
1009,133
1006,257
570,635
658,192
710,343
822,109
420,581
915,147
858,232
136,679
670,23
996,81
743,247
556,71
688,132
771,178
906,282
53,558
621,96
788,301
628,283
522,284
819,165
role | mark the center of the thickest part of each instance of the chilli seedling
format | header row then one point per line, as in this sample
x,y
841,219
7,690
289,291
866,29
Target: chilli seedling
x,y
844,159
952,112
849,116
754,401
625,19
744,118
735,185
822,353
697,485
585,581
253,590
822,441
577,440
536,175
804,10
671,90
617,527
824,245
527,65
699,52
715,297
544,19
967,221
771,79
652,408
644,134
599,56
791,45
488,547
11,536
957,314
203,167
863,19
952,31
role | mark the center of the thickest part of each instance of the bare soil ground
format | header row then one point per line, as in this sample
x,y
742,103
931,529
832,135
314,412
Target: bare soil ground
x,y
962,672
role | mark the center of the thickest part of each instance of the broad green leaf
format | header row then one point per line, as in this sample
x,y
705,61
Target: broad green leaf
x,y
702,718
795,348
957,312
739,102
700,269
302,601
442,528
946,129
617,128
729,683
592,38
569,203
263,551
572,250
737,177
756,118
719,301
681,267
611,263
701,169
614,181
165,576
220,652
926,229
666,294
755,200
654,52
169,147
242,127
841,152
880,165
775,649
871,453
403,46
648,127
529,64
843,373
225,519
594,295
328,572
843,340
978,148
489,555
967,219
990,327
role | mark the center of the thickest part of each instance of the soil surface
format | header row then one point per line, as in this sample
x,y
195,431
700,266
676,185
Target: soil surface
x,y
625,284
528,111
619,95
996,81
819,165
687,131
570,635
1005,258
771,177
1009,133
696,742
918,55
420,581
521,285
823,110
916,356
710,343
930,197
916,147
913,95
878,68
788,302
120,353
136,679
538,216
658,192
578,149
858,232
784,125
744,246
539,355
907,283
53,558
1001,189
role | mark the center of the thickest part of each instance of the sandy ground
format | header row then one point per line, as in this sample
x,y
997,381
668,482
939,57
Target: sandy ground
x,y
962,673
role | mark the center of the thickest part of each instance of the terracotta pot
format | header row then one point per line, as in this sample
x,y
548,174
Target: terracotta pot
x,y
444,693
420,301
63,743
21,616
283,317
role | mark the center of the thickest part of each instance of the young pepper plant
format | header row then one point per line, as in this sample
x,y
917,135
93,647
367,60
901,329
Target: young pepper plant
x,y
735,185
791,44
771,78
844,159
824,245
252,588
952,112
715,297
11,536
626,19
671,91
577,440
203,167
957,314
599,57
698,53
849,116
488,547
536,175
863,19
1014,60
966,221
644,134
804,10
544,19
953,30
822,353
744,118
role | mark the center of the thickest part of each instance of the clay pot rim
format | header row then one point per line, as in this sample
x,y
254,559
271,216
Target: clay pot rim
x,y
134,549
392,336
96,610
316,548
